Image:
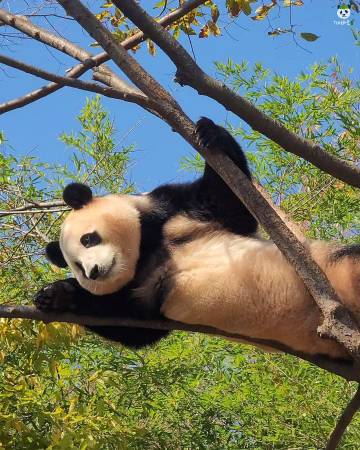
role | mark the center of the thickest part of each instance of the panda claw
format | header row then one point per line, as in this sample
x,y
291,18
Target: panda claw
x,y
209,134
55,297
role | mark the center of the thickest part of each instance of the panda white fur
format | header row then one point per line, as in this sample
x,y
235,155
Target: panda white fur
x,y
191,253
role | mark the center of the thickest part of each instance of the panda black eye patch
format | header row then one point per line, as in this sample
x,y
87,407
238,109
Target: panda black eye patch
x,y
90,239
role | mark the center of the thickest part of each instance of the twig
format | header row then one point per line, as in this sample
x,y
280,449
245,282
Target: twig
x,y
343,369
14,212
33,205
40,234
96,61
129,96
345,419
23,238
63,45
189,73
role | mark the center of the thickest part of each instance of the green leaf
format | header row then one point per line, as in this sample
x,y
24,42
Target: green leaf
x,y
310,37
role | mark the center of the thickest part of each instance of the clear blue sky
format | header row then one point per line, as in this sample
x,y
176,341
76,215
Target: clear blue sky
x,y
35,128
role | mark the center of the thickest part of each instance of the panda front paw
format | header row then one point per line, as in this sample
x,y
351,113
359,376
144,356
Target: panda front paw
x,y
209,134
56,297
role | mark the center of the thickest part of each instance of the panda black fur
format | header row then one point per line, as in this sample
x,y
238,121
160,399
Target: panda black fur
x,y
190,252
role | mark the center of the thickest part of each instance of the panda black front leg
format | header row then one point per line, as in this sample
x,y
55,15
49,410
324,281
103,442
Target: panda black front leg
x,y
211,135
68,296
59,296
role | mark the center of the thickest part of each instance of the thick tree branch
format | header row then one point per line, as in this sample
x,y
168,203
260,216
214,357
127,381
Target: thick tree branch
x,y
345,419
127,95
189,73
96,61
343,369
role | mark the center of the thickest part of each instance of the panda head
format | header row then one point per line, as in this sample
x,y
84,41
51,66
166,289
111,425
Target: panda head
x,y
344,11
99,239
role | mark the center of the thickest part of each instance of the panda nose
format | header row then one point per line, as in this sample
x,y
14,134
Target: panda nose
x,y
94,272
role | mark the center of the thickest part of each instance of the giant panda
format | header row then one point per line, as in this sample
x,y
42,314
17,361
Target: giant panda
x,y
192,253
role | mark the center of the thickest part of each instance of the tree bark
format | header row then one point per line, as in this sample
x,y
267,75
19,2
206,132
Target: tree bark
x,y
344,370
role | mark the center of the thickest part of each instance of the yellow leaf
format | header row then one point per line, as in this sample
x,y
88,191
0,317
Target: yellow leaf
x,y
115,22
103,15
76,331
233,7
151,47
204,32
293,3
263,11
245,6
214,13
119,14
213,28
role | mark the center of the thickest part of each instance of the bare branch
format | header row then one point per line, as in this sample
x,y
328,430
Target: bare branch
x,y
189,73
63,45
34,205
14,212
24,25
42,235
343,369
133,96
96,61
344,421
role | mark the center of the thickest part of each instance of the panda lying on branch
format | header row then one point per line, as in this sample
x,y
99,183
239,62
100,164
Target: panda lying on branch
x,y
191,253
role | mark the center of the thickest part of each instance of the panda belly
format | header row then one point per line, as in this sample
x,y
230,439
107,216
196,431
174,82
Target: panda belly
x,y
245,286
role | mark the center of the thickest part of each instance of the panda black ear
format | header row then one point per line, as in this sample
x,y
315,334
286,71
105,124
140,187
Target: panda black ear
x,y
77,195
54,254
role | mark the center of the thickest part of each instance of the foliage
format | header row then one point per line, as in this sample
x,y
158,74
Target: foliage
x,y
322,105
190,392
207,20
99,164
63,389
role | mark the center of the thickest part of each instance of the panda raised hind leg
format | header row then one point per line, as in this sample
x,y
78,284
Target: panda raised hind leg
x,y
223,203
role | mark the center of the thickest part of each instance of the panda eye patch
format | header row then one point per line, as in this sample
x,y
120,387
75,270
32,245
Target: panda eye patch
x,y
90,239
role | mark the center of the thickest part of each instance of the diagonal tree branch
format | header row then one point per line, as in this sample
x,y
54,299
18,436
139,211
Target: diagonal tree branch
x,y
345,419
96,61
344,369
189,73
33,96
127,95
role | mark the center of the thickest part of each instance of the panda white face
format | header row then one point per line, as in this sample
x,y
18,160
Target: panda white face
x,y
100,243
343,12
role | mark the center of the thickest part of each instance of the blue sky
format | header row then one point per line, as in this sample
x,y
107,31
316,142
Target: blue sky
x,y
35,128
